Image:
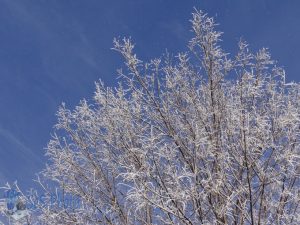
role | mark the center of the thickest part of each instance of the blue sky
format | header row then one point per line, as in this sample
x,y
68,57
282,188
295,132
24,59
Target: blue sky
x,y
53,51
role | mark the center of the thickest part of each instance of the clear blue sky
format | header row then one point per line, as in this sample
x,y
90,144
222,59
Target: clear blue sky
x,y
52,51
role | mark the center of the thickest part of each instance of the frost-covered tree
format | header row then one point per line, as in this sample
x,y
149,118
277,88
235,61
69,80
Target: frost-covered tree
x,y
201,138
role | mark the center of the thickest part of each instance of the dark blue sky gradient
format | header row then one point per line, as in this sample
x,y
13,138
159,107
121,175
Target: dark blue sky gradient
x,y
53,51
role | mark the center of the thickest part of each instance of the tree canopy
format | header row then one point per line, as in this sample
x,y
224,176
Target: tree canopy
x,y
200,138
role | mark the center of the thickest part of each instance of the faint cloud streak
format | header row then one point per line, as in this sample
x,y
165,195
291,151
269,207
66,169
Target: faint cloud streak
x,y
18,143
